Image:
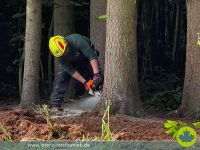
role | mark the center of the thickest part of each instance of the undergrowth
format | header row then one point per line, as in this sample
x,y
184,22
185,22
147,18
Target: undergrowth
x,y
162,91
45,112
106,134
6,134
173,126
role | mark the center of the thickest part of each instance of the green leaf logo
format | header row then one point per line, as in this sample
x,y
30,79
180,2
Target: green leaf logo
x,y
186,136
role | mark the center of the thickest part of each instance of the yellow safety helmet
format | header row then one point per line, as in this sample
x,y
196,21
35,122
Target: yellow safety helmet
x,y
57,45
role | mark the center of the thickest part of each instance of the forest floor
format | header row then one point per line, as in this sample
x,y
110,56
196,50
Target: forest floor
x,y
27,125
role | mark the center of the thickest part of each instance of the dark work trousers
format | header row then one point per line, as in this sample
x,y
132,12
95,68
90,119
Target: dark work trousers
x,y
62,79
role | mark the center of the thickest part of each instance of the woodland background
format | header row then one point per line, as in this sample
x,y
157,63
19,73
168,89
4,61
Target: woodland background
x,y
161,44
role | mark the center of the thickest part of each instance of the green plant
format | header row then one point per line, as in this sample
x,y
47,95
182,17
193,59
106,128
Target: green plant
x,y
198,41
196,124
173,126
6,134
106,133
102,17
45,112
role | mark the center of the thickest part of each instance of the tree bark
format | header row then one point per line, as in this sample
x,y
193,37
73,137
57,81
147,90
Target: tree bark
x,y
63,21
121,66
167,25
30,91
176,30
190,105
98,27
64,25
50,57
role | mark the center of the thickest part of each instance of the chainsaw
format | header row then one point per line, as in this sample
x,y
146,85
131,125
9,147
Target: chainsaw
x,y
92,89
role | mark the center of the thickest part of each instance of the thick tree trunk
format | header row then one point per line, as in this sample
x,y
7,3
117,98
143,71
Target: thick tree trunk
x,y
30,91
98,27
121,66
190,105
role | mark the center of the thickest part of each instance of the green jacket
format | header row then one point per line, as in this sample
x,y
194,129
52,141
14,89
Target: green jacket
x,y
80,49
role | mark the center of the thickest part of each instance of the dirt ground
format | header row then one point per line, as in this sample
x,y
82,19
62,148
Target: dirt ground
x,y
27,125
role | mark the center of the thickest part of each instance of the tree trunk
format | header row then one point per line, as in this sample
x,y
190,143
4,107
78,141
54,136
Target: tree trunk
x,y
63,21
30,91
190,105
167,26
98,27
64,25
50,73
176,30
121,66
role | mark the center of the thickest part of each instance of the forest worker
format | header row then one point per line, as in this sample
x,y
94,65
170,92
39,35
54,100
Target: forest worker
x,y
76,55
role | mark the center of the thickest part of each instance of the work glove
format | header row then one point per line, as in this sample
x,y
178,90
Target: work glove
x,y
98,80
89,85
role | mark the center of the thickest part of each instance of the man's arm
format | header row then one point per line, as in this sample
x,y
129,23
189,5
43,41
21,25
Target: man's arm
x,y
76,75
98,79
95,65
71,71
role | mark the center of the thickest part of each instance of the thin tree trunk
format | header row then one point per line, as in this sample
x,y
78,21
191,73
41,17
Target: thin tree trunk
x,y
20,73
98,27
30,91
121,71
63,21
190,105
147,17
64,25
176,31
157,28
50,75
167,26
